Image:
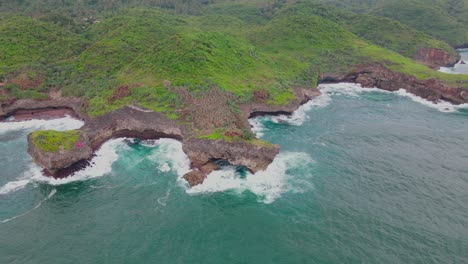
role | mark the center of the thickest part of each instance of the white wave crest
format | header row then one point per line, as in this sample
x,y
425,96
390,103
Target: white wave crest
x,y
442,106
171,156
352,89
13,186
257,126
101,164
281,176
60,124
297,118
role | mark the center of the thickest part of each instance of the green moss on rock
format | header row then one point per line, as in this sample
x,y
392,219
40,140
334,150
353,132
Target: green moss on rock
x,y
53,141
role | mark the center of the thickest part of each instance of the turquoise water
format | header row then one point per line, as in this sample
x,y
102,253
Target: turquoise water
x,y
362,177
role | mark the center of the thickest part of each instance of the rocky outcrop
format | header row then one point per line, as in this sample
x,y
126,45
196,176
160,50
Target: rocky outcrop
x,y
302,95
30,109
254,157
53,162
436,58
383,78
145,124
125,122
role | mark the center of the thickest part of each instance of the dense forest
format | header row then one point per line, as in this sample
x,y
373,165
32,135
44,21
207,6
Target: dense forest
x,y
156,49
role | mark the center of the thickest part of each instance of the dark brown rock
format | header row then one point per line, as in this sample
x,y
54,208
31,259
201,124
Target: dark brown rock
x,y
195,177
209,168
383,78
254,157
462,62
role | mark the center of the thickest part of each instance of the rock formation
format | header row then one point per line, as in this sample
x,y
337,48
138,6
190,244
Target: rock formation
x,y
436,58
132,121
383,78
144,124
34,108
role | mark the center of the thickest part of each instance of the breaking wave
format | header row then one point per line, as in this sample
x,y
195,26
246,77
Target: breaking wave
x,y
101,164
288,173
60,124
352,89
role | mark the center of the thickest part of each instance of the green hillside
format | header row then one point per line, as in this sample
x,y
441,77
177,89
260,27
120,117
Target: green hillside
x,y
168,61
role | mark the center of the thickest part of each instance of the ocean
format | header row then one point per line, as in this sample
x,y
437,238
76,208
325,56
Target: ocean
x,y
363,176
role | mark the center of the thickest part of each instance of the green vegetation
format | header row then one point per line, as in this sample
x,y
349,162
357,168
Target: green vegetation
x,y
163,54
53,141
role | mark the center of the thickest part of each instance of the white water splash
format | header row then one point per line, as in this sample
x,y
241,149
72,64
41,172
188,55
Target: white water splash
x,y
458,68
13,186
52,193
352,89
171,156
101,164
297,118
60,124
268,185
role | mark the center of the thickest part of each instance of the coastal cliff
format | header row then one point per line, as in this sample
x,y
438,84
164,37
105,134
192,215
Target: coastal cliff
x,y
383,78
134,121
436,58
131,121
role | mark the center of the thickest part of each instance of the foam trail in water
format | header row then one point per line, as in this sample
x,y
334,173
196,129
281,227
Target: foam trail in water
x,y
60,124
352,89
289,172
13,186
52,193
101,164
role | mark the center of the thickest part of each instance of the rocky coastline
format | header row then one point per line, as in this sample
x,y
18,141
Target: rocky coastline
x,y
436,58
134,121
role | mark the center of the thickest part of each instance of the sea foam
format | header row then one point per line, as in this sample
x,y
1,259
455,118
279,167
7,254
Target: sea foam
x,y
60,124
280,177
100,165
352,89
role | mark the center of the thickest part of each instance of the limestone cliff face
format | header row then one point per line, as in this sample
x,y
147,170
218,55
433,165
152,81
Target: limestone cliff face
x,y
383,78
436,58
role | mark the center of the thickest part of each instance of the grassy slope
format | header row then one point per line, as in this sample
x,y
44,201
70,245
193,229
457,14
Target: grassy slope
x,y
381,31
239,52
443,19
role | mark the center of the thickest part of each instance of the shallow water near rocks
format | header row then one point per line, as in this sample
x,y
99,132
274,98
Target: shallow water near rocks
x,y
459,68
363,176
